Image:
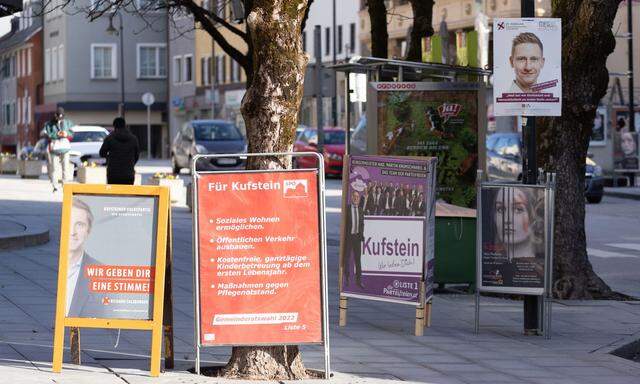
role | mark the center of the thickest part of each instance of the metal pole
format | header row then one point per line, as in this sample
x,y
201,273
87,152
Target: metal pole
x,y
334,98
632,117
530,176
122,108
317,46
347,102
213,77
149,132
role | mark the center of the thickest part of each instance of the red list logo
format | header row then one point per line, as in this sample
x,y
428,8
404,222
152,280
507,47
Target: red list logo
x,y
446,111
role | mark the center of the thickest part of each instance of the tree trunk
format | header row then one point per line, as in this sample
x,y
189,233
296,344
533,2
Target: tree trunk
x,y
587,40
422,27
379,35
270,110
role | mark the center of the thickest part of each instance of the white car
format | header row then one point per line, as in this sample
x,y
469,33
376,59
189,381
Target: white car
x,y
85,144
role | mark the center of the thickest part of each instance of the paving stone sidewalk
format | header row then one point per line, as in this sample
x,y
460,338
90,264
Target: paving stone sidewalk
x,y
376,346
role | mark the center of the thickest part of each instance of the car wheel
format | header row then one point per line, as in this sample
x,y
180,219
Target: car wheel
x,y
174,165
594,199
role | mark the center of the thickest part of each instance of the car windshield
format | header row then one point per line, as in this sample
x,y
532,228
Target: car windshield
x,y
88,136
334,137
216,131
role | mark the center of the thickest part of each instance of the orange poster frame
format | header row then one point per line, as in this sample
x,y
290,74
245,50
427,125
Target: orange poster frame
x,y
155,325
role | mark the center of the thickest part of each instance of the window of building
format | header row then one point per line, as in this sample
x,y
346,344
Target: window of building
x,y
149,5
18,71
352,37
29,61
29,109
327,41
339,47
47,65
224,69
304,41
54,64
18,114
61,62
188,68
151,61
218,69
177,69
103,61
205,70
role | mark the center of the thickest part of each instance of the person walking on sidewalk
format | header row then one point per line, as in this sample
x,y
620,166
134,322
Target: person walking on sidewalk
x,y
58,132
121,150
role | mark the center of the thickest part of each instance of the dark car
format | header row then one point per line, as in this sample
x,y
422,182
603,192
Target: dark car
x,y
334,141
504,163
202,137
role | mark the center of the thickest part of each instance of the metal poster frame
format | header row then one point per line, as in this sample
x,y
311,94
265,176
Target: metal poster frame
x,y
154,324
324,290
372,109
546,292
425,296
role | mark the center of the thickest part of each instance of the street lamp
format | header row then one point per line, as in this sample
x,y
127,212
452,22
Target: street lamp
x,y
111,30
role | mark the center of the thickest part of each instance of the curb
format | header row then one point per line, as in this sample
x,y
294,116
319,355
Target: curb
x,y
622,195
31,235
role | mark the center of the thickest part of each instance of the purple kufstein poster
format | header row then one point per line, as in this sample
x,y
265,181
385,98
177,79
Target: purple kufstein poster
x,y
387,244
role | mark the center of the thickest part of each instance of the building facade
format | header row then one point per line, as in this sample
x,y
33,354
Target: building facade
x,y
21,79
88,70
339,41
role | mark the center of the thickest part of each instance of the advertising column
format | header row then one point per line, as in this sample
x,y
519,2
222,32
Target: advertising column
x,y
259,265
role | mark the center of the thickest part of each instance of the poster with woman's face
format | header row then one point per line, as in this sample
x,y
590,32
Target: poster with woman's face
x,y
625,144
513,237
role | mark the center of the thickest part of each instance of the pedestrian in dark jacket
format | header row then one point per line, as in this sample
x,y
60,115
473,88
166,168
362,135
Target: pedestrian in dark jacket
x,y
121,150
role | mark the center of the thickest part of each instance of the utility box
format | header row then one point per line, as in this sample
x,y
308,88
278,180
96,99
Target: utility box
x,y
455,245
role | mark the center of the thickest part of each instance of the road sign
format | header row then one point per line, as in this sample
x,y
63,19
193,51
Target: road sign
x,y
148,99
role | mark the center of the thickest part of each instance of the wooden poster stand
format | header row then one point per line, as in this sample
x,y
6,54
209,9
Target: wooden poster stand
x,y
423,310
162,319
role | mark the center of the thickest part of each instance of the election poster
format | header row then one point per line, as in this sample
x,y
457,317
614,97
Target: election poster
x,y
527,67
625,142
258,260
111,257
513,238
388,228
443,120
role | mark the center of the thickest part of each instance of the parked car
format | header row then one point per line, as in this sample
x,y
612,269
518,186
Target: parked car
x,y
334,143
85,144
504,162
202,137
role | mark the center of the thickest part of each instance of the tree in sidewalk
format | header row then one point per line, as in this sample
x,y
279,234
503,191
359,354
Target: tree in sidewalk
x,y
587,41
422,27
275,65
422,11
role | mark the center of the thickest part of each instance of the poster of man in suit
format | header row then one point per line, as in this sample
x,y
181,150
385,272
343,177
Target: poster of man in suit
x,y
111,254
387,242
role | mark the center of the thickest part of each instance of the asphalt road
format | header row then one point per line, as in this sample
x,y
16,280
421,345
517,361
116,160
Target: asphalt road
x,y
613,237
613,243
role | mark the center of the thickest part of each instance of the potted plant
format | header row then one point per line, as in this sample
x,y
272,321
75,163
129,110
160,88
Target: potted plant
x,y
91,173
8,163
175,184
29,166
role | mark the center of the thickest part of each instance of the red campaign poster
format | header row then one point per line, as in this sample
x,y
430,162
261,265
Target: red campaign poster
x,y
259,258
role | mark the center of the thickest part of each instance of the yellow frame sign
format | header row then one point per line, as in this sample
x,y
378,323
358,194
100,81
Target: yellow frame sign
x,y
155,324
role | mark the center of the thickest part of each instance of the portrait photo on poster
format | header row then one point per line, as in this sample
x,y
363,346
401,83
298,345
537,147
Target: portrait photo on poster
x,y
513,237
111,258
387,239
527,73
625,143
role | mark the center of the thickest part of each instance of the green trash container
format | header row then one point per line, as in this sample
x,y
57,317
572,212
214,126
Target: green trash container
x,y
455,245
